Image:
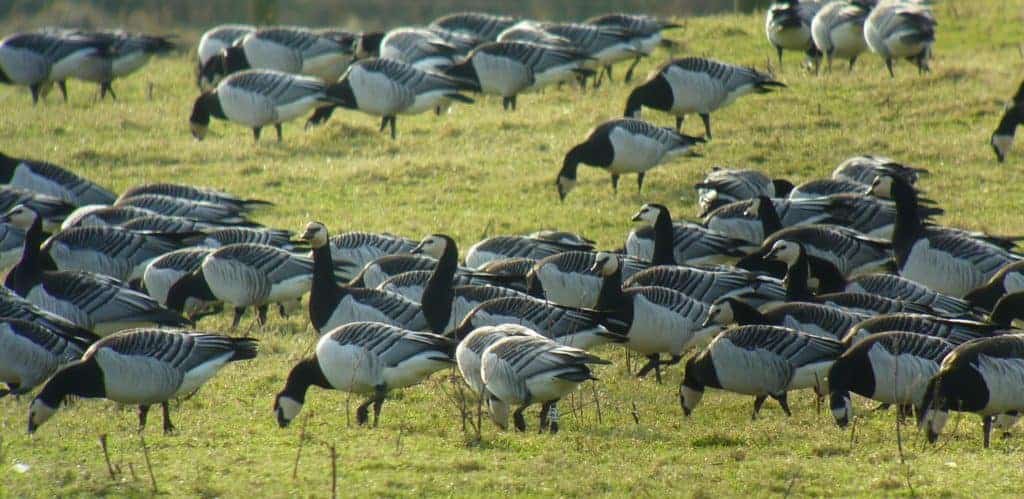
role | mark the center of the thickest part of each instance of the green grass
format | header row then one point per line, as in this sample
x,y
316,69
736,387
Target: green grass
x,y
482,171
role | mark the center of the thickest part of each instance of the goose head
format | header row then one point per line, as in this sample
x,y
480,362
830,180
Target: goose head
x,y
787,252
289,401
691,390
202,109
315,234
434,245
721,312
20,216
286,409
605,264
498,411
648,213
935,410
882,187
39,411
842,407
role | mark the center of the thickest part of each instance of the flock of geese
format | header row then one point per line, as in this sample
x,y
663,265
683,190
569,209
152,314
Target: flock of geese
x,y
840,285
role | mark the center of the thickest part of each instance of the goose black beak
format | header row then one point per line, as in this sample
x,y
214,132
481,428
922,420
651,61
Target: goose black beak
x,y
281,421
32,427
307,235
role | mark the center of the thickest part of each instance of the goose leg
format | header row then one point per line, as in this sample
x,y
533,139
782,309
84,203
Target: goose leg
x,y
168,426
829,57
362,412
986,428
707,125
143,412
378,402
281,311
63,86
615,183
640,182
888,64
256,133
238,317
629,72
35,93
853,61
779,50
783,402
504,105
679,123
906,411
106,88
608,69
544,416
261,315
383,124
393,120
513,101
277,126
553,417
520,421
758,402
653,361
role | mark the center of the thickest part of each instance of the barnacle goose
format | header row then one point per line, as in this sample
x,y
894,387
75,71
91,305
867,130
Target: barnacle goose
x,y
1009,279
723,185
898,288
30,353
664,242
788,26
605,44
812,318
1002,138
418,47
462,41
948,261
295,51
51,210
381,269
165,271
532,32
892,368
111,251
621,146
578,327
51,180
847,251
13,306
218,38
128,53
569,279
98,303
37,60
357,249
525,370
753,220
364,358
257,98
710,285
200,211
763,361
897,29
532,247
470,290
696,85
985,377
332,304
387,88
161,224
141,366
243,275
838,30
864,169
235,235
470,350
100,214
644,31
481,25
654,320
825,187
955,331
193,193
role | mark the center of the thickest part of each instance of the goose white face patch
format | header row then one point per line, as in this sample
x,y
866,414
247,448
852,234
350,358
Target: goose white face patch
x,y
433,246
720,313
648,214
316,234
785,252
882,187
39,412
1002,143
691,398
843,411
287,408
606,264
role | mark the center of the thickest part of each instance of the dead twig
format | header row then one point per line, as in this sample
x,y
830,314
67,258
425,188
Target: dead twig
x,y
106,456
636,414
334,471
149,464
302,443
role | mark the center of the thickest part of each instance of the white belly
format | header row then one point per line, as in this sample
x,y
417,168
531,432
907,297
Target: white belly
x,y
1005,381
901,379
940,271
749,372
137,379
348,368
634,153
501,76
23,67
265,54
248,108
848,40
694,92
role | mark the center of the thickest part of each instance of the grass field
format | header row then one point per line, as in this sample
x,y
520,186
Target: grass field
x,y
480,171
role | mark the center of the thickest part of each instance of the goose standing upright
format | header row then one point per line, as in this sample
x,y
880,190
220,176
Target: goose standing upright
x,y
363,358
897,29
37,60
621,146
788,26
51,180
1002,138
838,30
948,261
144,367
697,85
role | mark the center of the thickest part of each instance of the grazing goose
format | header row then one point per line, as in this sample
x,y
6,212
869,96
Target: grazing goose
x,y
98,303
1009,279
841,250
1002,138
838,30
654,320
788,26
97,214
525,370
503,247
13,306
605,44
332,304
193,193
892,368
37,60
164,272
200,211
51,180
31,353
51,210
244,275
955,331
365,358
481,25
985,377
12,241
763,361
218,38
418,47
111,251
578,327
387,88
682,243
727,185
864,169
753,220
470,350
128,53
898,288
645,32
295,51
569,279
897,29
710,285
144,367
257,98
357,249
696,85
812,318
948,261
623,146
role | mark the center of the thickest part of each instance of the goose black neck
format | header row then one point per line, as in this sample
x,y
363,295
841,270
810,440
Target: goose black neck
x,y
745,315
908,221
770,221
28,272
439,292
796,278
1007,309
1008,123
325,292
664,240
82,379
610,297
305,374
572,160
830,279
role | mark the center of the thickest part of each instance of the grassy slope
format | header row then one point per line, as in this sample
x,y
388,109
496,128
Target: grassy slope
x,y
480,170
